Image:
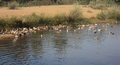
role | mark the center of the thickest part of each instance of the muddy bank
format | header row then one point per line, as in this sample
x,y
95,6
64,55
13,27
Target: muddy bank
x,y
6,36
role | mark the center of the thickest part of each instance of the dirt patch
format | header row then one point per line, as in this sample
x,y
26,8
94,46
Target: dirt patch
x,y
48,10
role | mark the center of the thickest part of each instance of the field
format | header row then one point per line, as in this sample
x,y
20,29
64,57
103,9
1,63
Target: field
x,y
50,10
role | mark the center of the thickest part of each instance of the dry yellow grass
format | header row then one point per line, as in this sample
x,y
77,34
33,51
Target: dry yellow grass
x,y
48,10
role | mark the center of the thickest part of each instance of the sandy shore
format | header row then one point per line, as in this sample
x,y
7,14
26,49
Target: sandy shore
x,y
48,10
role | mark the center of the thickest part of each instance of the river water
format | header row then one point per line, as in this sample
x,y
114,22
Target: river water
x,y
63,48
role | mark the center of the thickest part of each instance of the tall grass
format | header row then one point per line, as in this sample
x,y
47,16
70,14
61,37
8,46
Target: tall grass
x,y
112,13
75,15
13,5
101,4
101,15
60,18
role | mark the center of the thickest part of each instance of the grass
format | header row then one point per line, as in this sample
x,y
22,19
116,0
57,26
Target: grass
x,y
111,14
101,4
75,17
13,5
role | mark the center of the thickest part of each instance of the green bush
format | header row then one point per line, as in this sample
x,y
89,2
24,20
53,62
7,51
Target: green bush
x,y
2,23
60,18
13,5
113,13
75,15
31,20
101,15
99,6
13,22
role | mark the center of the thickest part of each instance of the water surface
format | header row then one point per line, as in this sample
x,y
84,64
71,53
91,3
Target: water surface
x,y
63,48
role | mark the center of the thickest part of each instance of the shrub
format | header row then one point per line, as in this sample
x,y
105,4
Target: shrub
x,y
113,13
60,18
75,15
13,22
2,23
31,20
13,5
92,3
101,15
59,2
99,6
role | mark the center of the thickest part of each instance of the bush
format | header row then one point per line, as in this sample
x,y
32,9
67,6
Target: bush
x,y
92,3
31,20
59,2
13,5
60,18
100,6
2,23
113,13
13,22
75,15
101,15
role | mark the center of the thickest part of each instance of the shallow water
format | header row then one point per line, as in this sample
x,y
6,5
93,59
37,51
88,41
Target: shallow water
x,y
63,48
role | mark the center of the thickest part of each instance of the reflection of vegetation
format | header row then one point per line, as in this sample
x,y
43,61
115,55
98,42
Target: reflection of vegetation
x,y
60,43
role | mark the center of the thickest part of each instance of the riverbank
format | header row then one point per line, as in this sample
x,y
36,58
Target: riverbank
x,y
50,10
53,15
6,36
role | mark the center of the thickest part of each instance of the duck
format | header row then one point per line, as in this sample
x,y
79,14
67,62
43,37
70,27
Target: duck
x,y
95,37
57,31
88,34
83,25
105,29
34,28
95,24
78,37
99,29
40,35
60,30
117,35
79,28
112,33
84,35
95,31
106,33
34,31
74,30
67,30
